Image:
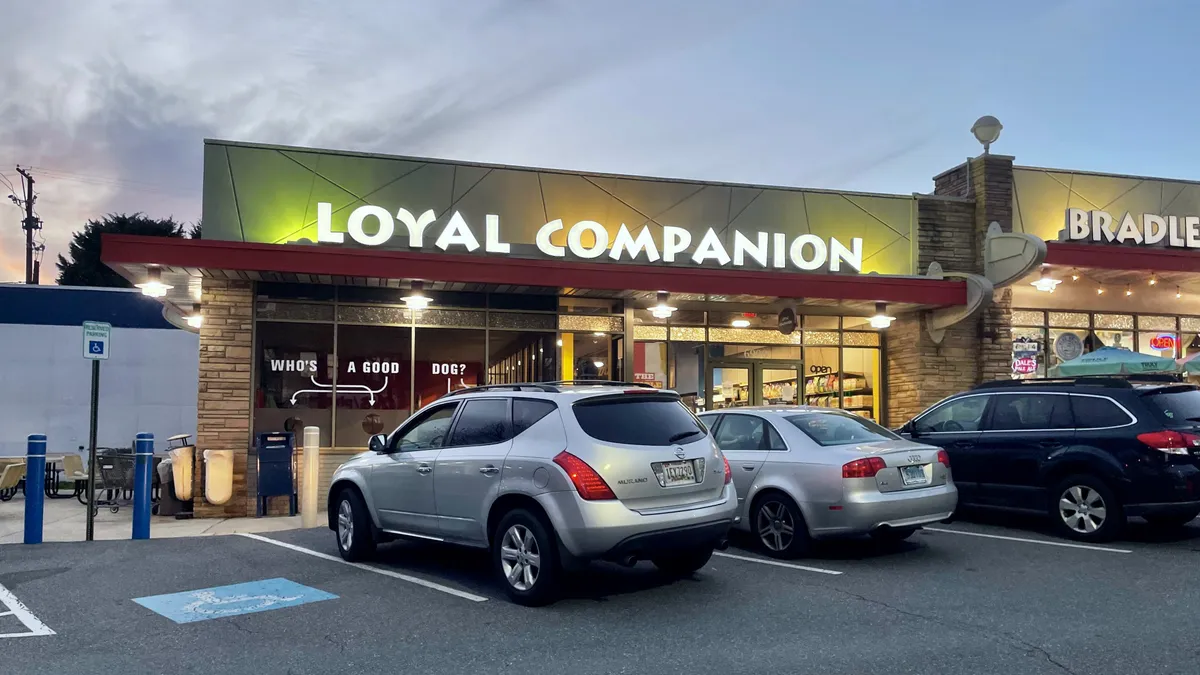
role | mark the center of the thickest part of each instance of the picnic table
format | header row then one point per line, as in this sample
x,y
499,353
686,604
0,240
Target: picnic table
x,y
73,470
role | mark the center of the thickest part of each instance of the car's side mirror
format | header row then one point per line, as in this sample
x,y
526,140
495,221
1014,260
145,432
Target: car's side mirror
x,y
909,429
378,443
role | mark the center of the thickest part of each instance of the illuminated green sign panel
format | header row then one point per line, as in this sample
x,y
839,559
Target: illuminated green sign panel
x,y
280,195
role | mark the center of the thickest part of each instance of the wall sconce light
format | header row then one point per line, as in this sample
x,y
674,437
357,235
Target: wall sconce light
x,y
195,319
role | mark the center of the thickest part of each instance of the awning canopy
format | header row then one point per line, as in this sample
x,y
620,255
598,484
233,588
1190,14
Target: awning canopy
x,y
184,263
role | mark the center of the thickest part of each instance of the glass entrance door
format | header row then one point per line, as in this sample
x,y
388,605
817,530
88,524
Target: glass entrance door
x,y
777,384
730,385
754,383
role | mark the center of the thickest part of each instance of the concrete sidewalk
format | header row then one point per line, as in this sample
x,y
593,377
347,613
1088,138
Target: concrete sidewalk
x,y
66,520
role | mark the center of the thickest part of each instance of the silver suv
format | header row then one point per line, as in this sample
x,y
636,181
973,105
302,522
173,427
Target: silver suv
x,y
545,476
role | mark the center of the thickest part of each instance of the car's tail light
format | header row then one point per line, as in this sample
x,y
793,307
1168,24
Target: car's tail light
x,y
863,468
1170,442
728,471
588,483
944,458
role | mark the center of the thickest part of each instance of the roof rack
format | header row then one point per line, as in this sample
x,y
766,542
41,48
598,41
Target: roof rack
x,y
615,383
1116,381
518,386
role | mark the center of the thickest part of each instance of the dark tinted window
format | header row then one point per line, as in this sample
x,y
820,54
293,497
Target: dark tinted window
x,y
1177,405
1030,412
482,422
1097,413
527,412
638,419
741,432
830,428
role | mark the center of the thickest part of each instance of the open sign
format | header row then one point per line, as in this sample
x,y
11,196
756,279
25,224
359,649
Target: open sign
x,y
1163,342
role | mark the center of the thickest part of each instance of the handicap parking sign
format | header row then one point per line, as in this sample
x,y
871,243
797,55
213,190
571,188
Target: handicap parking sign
x,y
95,339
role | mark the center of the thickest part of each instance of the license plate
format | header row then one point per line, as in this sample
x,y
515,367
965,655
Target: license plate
x,y
913,475
678,473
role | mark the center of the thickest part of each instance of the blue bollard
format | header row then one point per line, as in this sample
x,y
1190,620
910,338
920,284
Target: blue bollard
x,y
35,487
143,450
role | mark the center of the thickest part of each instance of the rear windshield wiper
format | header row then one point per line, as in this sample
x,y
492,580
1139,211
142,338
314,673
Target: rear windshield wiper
x,y
683,434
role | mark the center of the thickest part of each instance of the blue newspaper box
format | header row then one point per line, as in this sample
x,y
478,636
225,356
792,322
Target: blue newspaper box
x,y
276,469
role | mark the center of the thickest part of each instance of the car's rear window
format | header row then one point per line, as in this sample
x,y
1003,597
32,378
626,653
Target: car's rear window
x,y
1176,404
832,428
638,419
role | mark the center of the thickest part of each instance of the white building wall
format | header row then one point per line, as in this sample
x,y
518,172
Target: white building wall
x,y
149,383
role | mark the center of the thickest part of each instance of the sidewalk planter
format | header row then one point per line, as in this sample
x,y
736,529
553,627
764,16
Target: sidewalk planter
x,y
218,476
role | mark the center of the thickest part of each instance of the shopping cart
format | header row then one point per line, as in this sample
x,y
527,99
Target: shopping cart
x,y
114,479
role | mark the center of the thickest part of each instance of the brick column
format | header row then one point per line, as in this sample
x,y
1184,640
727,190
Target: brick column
x,y
226,361
992,187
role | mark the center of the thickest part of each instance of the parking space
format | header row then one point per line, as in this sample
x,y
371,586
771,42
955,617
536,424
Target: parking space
x,y
982,596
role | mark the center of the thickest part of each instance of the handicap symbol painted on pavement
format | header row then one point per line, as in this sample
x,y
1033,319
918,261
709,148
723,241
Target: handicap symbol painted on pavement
x,y
223,601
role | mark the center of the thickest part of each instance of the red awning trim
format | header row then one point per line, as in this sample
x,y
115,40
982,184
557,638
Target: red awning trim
x,y
1117,257
391,264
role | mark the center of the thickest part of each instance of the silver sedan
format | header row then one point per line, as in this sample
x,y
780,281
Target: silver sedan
x,y
805,473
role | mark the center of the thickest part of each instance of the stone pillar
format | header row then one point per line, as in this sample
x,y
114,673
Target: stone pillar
x,y
223,415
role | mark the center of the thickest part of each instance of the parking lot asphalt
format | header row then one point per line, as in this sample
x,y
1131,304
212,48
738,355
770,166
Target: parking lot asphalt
x,y
989,595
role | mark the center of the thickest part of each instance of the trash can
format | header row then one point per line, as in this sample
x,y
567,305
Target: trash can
x,y
182,457
167,504
218,476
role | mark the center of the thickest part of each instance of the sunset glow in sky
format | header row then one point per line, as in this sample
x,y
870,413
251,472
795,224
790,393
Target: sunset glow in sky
x,y
109,101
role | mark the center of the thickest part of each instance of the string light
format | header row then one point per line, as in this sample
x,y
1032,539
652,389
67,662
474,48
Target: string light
x,y
1153,280
1099,290
1128,291
1178,295
1074,275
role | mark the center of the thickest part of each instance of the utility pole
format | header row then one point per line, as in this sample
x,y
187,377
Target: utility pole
x,y
30,224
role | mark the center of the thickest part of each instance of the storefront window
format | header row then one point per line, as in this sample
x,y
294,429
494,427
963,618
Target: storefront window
x,y
522,357
1028,352
650,363
294,376
1065,345
861,388
374,369
686,367
1158,343
822,377
446,359
590,356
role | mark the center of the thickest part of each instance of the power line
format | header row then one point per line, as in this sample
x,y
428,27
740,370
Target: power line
x,y
30,224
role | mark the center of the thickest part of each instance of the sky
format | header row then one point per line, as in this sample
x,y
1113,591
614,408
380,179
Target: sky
x,y
108,101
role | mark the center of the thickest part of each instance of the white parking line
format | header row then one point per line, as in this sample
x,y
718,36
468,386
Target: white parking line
x,y
387,573
776,563
18,609
1062,544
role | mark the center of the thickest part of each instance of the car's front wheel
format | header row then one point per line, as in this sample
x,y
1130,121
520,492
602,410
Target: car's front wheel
x,y
355,538
683,563
1084,507
525,558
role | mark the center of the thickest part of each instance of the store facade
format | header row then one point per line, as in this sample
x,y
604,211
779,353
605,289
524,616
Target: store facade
x,y
345,291
1122,267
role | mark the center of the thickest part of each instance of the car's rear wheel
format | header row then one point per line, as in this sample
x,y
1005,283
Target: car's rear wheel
x,y
355,537
1171,519
779,526
893,535
683,563
525,558
1084,507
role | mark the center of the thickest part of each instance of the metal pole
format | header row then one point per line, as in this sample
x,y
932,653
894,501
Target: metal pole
x,y
35,487
309,514
143,481
91,485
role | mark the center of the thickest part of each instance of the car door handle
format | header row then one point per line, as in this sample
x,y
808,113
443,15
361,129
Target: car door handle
x,y
1050,445
489,470
424,468
748,467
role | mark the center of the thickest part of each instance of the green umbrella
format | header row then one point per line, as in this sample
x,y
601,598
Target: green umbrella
x,y
1190,364
1114,361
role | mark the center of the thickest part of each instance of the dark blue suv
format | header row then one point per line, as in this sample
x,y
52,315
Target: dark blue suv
x,y
1089,452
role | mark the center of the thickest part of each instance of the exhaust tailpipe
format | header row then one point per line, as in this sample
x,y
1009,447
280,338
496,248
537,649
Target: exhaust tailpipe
x,y
722,544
